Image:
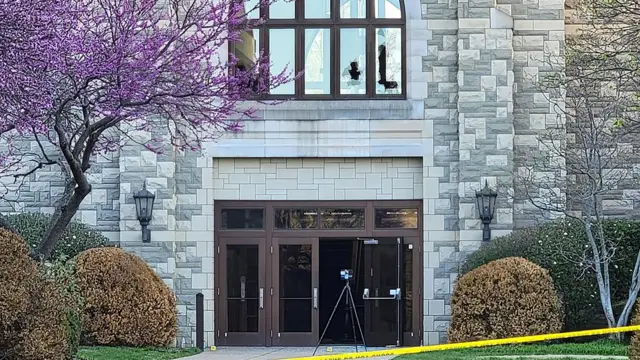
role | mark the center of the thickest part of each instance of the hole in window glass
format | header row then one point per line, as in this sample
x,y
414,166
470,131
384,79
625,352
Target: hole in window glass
x,y
282,9
388,9
353,45
282,49
389,61
296,218
242,219
317,57
251,9
396,218
353,9
342,218
246,52
317,9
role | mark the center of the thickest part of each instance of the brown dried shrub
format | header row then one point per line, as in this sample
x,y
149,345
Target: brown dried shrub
x,y
125,302
45,336
504,298
32,315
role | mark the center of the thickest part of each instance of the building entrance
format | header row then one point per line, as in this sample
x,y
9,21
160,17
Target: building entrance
x,y
337,255
277,287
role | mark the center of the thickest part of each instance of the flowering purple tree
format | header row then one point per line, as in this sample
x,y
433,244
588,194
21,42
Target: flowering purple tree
x,y
105,69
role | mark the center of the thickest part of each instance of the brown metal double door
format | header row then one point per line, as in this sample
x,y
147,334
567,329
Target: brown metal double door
x,y
269,292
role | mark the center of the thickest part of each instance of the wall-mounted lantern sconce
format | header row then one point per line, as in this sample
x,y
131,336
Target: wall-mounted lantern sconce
x,y
144,210
486,199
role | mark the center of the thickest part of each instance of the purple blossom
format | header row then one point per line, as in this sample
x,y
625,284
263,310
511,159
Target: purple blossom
x,y
82,76
91,66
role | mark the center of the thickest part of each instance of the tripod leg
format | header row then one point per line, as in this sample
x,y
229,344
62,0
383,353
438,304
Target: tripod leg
x,y
329,321
353,314
358,320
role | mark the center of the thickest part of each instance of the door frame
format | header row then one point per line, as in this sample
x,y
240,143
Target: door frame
x,y
267,234
413,337
295,339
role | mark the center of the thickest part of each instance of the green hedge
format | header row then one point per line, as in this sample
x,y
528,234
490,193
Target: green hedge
x,y
559,246
62,273
77,238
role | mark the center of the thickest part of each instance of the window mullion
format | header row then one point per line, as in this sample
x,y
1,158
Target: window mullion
x,y
299,59
371,61
335,72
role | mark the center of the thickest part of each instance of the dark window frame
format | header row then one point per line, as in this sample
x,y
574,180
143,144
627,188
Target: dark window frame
x,y
334,23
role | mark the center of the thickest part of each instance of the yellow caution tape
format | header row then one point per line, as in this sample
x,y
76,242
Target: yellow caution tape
x,y
470,344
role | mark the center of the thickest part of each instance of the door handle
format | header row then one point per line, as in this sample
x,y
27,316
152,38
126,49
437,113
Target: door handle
x,y
315,298
261,298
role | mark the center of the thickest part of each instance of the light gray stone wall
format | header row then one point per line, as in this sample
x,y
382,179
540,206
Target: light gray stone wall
x,y
538,42
39,191
317,179
441,243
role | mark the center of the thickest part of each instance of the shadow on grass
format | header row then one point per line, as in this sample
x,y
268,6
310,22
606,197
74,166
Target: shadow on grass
x,y
126,353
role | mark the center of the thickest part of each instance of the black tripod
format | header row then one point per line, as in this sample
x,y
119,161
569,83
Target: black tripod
x,y
353,312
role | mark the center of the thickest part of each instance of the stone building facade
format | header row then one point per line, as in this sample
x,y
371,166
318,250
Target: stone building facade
x,y
471,115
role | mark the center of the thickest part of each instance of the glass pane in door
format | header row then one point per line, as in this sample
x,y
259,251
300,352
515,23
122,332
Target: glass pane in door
x,y
385,279
295,288
243,288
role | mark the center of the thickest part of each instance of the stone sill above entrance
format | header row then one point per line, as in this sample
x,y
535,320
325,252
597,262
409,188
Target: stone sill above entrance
x,y
340,110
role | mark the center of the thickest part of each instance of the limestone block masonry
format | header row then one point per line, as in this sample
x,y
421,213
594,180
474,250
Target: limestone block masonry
x,y
472,114
317,179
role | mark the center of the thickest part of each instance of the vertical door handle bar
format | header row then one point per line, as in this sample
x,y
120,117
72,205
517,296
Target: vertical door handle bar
x,y
315,298
261,298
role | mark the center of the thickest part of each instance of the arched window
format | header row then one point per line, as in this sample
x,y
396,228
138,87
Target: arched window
x,y
347,49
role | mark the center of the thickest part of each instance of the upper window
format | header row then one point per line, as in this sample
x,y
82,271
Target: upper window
x,y
343,49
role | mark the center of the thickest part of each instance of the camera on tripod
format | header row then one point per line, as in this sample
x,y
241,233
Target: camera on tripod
x,y
346,274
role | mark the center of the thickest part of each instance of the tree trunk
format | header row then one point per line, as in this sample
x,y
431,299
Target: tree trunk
x,y
67,207
603,286
634,288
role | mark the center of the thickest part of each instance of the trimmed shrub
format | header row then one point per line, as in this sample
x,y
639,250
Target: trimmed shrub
x,y
125,302
559,247
504,298
31,307
77,238
44,336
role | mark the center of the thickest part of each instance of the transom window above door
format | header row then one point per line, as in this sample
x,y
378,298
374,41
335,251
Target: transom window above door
x,y
343,49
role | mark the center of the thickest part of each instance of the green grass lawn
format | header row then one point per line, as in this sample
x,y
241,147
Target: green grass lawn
x,y
123,353
601,347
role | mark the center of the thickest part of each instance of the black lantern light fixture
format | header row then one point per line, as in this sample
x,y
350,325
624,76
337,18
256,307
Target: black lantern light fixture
x,y
144,210
486,199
